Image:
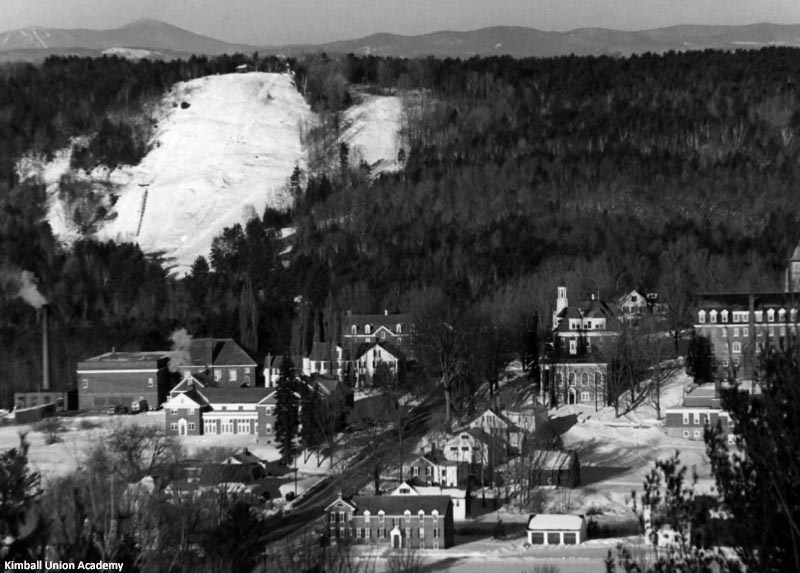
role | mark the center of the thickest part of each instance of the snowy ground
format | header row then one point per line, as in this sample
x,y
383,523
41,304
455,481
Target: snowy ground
x,y
224,148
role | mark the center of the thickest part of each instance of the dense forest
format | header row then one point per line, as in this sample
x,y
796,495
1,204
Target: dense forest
x,y
675,173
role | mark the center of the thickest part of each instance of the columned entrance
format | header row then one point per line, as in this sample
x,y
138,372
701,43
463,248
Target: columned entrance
x,y
182,427
397,538
572,396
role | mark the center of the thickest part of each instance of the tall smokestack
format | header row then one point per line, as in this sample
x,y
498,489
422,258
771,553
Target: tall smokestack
x,y
45,351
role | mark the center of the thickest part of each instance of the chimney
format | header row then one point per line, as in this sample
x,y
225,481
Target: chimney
x,y
45,351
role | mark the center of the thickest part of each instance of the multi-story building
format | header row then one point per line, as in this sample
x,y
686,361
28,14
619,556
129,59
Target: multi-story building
x,y
232,411
119,378
401,521
575,369
224,360
434,468
741,326
701,409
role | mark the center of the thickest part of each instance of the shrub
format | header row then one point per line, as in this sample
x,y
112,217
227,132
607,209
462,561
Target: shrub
x,y
86,424
52,428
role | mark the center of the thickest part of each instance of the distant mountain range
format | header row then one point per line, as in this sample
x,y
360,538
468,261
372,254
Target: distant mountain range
x,y
152,38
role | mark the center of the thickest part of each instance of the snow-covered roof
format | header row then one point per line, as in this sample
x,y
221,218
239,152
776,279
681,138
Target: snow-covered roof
x,y
555,522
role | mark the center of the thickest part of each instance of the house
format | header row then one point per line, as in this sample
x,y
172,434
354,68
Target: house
x,y
556,529
273,365
360,329
527,417
497,424
434,468
402,521
459,496
368,358
227,363
554,468
189,381
633,305
119,378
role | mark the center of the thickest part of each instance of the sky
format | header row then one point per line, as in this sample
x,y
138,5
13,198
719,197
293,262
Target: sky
x,y
269,22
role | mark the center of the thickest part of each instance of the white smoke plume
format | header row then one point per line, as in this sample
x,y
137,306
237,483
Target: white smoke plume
x,y
23,283
181,354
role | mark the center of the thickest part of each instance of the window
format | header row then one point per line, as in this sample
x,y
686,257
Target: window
x,y
381,516
713,316
737,347
174,426
696,418
724,333
724,315
735,317
367,329
436,533
686,433
686,418
415,471
191,411
354,329
771,315
341,516
571,379
85,383
585,397
697,433
268,428
781,315
173,411
217,375
759,316
209,427
342,532
585,379
398,328
247,370
746,332
149,382
736,332
232,374
243,427
191,426
701,317
573,346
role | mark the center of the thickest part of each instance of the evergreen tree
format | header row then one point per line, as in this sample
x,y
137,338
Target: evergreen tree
x,y
699,359
310,417
759,483
287,420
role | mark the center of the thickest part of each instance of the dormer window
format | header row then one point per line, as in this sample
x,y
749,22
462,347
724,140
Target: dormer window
x,y
771,315
713,316
701,317
724,314
354,329
398,328
367,329
781,315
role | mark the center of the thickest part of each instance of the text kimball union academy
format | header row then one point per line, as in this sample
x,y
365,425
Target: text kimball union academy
x,y
61,566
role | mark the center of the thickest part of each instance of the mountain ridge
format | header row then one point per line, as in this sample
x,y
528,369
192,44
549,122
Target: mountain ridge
x,y
169,41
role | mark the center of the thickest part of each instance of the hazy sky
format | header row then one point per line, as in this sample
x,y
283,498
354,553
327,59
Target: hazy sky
x,y
297,21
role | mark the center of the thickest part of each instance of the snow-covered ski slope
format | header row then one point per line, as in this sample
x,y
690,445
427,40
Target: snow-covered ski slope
x,y
214,163
224,148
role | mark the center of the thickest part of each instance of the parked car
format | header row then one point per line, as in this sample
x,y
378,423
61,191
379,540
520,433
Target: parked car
x,y
118,409
138,406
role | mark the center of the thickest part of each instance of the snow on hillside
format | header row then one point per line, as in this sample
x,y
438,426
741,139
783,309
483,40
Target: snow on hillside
x,y
215,163
372,132
224,149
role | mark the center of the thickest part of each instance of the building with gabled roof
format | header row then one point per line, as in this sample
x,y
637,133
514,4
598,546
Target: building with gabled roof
x,y
223,359
433,468
358,329
554,468
399,522
367,359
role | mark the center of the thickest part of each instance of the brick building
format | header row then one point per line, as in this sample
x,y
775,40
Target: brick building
x,y
119,378
403,521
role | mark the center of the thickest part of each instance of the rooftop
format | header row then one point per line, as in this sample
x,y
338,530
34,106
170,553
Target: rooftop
x,y
112,357
555,522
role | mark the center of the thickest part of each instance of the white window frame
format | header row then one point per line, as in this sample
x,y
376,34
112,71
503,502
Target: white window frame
x,y
701,317
737,347
736,332
697,434
191,426
686,433
150,382
724,316
686,418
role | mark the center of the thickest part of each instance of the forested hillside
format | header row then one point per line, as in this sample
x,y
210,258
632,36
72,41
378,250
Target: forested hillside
x,y
675,173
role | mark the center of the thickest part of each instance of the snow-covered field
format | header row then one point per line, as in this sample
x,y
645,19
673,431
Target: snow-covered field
x,y
224,149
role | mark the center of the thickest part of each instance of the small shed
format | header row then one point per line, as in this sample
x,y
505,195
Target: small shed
x,y
555,468
556,529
